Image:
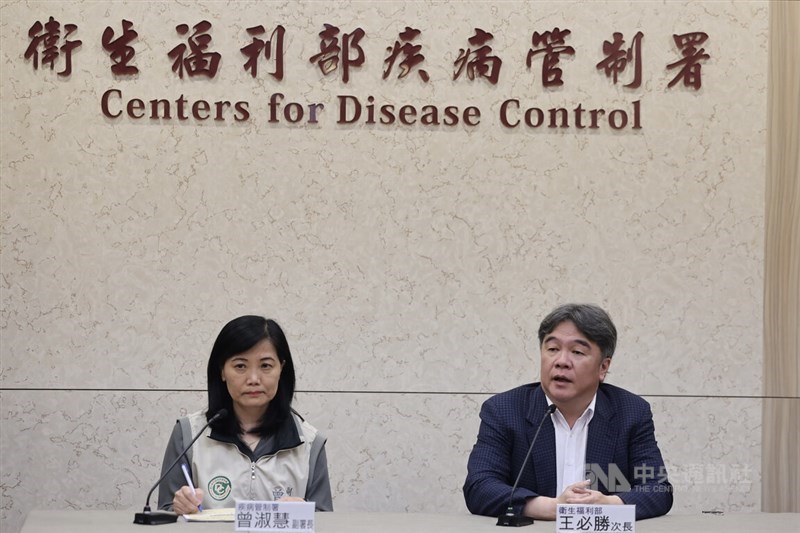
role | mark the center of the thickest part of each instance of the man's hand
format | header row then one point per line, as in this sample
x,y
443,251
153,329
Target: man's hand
x,y
580,493
544,508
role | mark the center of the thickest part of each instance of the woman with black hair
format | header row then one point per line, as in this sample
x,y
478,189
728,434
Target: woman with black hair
x,y
262,450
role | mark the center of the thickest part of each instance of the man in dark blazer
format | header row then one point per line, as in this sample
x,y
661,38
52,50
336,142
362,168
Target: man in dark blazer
x,y
622,461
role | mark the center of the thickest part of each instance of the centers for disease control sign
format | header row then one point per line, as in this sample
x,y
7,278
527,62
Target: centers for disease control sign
x,y
287,517
194,52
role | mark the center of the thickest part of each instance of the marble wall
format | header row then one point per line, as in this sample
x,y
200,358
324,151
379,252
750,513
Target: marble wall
x,y
409,264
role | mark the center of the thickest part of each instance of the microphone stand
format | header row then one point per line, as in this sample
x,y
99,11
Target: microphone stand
x,y
156,518
510,518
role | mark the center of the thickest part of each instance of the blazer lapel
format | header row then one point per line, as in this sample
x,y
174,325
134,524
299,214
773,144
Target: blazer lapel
x,y
543,455
602,438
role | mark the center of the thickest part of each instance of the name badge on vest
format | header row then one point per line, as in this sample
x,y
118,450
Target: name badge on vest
x,y
595,518
287,517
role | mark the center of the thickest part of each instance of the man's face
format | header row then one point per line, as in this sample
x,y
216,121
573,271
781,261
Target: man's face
x,y
572,367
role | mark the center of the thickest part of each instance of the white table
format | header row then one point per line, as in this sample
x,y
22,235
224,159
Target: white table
x,y
338,522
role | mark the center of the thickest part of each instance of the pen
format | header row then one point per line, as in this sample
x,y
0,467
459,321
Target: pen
x,y
189,482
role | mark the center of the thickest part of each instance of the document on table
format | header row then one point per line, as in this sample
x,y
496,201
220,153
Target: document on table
x,y
211,515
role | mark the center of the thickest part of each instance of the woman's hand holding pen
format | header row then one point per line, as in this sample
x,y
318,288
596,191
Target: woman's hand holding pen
x,y
187,500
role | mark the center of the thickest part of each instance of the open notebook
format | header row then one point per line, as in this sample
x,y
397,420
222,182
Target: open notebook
x,y
225,514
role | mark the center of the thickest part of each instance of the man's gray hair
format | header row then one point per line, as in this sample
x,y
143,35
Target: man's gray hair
x,y
590,320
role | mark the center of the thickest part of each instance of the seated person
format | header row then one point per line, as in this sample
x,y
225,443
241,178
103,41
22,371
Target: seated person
x,y
262,450
598,431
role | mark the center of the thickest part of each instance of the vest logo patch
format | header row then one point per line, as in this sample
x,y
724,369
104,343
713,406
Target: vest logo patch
x,y
219,487
278,492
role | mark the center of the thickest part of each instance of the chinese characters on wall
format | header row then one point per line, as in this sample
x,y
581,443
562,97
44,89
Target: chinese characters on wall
x,y
341,54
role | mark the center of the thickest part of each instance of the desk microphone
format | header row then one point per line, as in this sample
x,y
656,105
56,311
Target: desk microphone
x,y
155,518
509,518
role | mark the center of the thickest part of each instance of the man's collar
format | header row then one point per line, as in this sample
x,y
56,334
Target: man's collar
x,y
589,411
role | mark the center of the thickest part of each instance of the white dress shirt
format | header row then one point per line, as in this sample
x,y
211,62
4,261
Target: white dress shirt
x,y
571,446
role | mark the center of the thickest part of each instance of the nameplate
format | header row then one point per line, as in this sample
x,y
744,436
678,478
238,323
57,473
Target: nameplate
x,y
286,517
594,518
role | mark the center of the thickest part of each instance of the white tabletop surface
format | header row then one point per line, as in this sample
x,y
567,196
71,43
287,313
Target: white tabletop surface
x,y
343,522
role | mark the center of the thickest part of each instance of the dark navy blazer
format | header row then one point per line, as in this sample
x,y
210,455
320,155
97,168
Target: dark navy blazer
x,y
621,433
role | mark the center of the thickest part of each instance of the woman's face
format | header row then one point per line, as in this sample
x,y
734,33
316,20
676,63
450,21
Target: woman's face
x,y
252,379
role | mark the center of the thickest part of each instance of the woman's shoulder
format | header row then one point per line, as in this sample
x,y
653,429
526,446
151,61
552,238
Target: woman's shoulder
x,y
309,432
195,420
